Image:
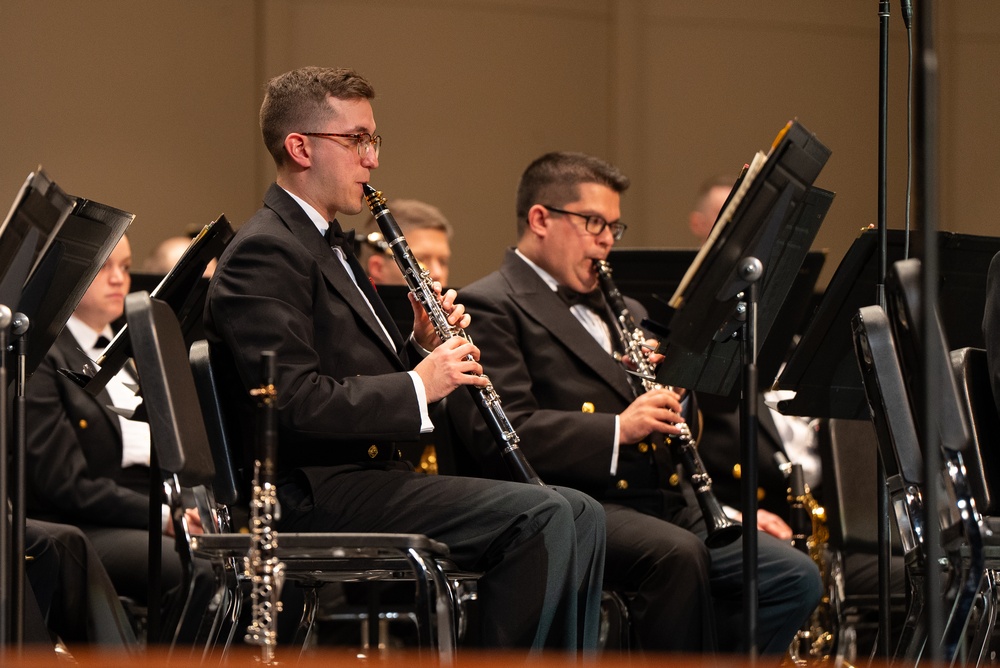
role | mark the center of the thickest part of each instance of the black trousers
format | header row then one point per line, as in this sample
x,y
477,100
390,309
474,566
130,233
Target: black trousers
x,y
125,554
687,598
72,588
541,550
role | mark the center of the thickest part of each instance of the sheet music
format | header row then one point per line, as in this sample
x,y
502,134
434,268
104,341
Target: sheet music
x,y
727,214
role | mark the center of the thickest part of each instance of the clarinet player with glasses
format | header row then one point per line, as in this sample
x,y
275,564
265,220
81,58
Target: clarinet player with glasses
x,y
586,422
350,387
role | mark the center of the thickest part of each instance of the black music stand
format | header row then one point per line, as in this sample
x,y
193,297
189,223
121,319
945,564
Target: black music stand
x,y
649,274
183,288
737,285
67,239
823,370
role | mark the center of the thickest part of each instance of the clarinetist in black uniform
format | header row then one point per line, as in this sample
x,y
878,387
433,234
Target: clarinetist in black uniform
x,y
348,390
583,423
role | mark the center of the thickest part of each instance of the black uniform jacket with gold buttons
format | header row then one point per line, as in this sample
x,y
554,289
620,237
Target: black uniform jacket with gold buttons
x,y
74,463
341,386
560,389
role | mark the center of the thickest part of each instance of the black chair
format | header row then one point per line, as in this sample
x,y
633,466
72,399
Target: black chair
x,y
849,452
973,378
312,559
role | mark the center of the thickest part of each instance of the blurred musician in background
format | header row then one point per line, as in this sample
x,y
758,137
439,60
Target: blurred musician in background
x,y
428,234
582,423
711,197
88,466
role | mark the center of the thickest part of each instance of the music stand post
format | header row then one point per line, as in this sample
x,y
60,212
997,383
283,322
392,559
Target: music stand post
x,y
772,224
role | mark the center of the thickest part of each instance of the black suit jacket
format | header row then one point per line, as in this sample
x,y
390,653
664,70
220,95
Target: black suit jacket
x,y
74,463
561,391
719,447
344,396
991,325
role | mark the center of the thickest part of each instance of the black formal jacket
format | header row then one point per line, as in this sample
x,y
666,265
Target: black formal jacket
x,y
74,463
344,397
719,447
991,325
561,391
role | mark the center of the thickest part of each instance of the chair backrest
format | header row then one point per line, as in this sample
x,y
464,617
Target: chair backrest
x,y
227,485
848,449
888,399
973,378
176,426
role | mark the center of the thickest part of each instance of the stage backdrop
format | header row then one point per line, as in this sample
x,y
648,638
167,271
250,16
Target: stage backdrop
x,y
152,106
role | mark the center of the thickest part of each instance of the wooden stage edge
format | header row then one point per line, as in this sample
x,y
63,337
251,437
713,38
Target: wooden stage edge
x,y
335,658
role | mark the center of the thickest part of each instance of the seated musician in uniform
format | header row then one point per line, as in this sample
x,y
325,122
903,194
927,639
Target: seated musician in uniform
x,y
88,466
548,348
350,386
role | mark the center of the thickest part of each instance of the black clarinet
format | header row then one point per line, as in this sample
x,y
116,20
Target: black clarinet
x,y
721,530
266,572
418,280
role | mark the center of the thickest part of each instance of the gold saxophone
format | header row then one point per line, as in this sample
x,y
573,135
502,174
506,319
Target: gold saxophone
x,y
819,641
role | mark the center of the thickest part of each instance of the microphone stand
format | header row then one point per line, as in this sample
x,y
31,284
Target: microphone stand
x,y
6,553
925,177
882,489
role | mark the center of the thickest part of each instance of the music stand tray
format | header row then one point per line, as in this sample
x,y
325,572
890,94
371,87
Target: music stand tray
x,y
823,370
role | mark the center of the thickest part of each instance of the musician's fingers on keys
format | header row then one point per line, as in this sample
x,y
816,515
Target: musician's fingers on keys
x,y
655,411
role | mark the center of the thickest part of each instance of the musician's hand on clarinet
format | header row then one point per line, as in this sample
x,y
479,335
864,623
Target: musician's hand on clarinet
x,y
654,411
448,366
652,358
423,329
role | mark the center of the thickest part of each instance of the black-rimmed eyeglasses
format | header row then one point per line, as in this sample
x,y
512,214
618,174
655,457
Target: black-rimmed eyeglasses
x,y
594,224
362,142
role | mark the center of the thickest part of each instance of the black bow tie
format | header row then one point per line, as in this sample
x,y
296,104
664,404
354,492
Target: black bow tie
x,y
335,236
102,342
593,300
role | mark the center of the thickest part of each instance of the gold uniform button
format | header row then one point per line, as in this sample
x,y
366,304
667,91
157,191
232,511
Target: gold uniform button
x,y
373,452
83,424
587,407
643,448
675,480
622,484
737,471
761,493
653,445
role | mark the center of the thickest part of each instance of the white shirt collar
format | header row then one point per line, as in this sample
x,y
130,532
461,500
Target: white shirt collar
x,y
315,216
85,335
545,276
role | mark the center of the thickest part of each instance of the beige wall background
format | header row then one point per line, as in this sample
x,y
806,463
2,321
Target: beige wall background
x,y
152,106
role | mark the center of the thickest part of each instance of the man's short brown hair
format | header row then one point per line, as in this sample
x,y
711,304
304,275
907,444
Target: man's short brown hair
x,y
296,101
555,179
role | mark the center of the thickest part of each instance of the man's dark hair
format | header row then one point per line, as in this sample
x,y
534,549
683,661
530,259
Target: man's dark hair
x,y
555,178
296,101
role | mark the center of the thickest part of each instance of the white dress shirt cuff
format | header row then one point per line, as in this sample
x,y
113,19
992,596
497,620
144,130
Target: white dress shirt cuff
x,y
614,449
426,426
